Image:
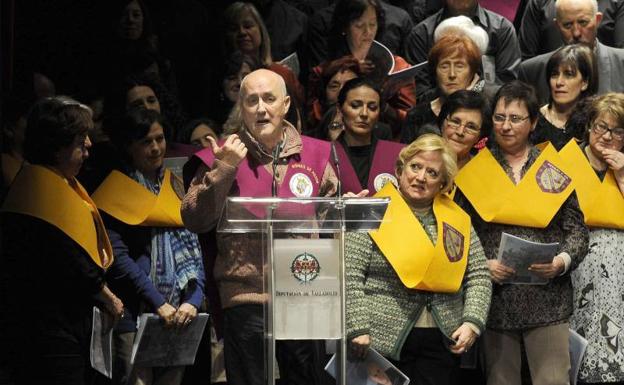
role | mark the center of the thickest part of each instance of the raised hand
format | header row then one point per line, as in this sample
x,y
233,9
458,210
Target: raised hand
x,y
232,152
615,159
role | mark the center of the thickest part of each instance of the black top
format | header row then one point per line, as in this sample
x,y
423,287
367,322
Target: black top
x,y
420,120
361,158
49,283
503,47
398,26
539,34
546,131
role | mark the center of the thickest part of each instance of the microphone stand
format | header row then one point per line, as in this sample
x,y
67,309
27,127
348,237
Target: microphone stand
x,y
270,311
341,377
276,152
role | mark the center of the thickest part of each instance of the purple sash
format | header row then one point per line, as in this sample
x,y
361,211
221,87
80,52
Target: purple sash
x,y
303,176
381,169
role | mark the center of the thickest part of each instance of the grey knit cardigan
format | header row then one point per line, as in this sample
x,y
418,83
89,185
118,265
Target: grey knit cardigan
x,y
380,305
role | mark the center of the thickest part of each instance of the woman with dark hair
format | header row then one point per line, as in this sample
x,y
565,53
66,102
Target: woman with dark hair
x,y
455,61
572,76
133,46
158,267
465,121
325,85
516,188
355,25
366,162
233,69
141,91
198,131
597,166
56,251
144,91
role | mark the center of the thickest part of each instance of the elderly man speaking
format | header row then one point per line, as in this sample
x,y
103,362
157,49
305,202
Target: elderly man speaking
x,y
242,165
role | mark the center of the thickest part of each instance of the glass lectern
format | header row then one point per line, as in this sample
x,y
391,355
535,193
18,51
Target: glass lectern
x,y
303,263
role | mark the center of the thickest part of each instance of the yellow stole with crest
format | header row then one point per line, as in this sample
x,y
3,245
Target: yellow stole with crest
x,y
602,202
128,201
39,192
419,263
533,202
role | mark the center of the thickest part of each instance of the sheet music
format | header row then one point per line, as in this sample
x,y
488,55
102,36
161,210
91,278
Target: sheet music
x,y
156,345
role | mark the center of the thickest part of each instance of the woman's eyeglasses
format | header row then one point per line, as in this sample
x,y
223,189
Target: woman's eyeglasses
x,y
469,127
513,119
617,133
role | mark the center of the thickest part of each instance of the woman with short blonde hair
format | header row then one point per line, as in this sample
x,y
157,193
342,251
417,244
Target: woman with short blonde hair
x,y
420,300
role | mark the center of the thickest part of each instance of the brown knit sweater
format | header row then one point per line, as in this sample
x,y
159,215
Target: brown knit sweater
x,y
238,267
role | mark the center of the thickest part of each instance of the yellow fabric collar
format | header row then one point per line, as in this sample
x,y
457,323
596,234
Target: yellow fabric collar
x,y
602,202
128,201
533,202
418,262
41,193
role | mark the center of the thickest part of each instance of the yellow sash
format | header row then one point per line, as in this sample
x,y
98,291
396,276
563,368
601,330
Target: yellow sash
x,y
602,203
41,193
532,203
419,263
127,200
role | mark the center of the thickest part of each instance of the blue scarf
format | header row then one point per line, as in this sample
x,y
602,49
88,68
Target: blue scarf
x,y
175,251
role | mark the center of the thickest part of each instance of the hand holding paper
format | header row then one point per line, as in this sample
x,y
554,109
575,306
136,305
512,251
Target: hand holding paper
x,y
499,272
548,270
167,313
360,345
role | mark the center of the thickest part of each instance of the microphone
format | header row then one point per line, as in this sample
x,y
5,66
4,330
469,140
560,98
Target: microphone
x,y
276,152
334,155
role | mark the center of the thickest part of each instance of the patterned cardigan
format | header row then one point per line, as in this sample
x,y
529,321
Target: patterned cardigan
x,y
380,305
518,307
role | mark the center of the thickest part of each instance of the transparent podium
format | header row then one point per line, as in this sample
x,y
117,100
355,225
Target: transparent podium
x,y
301,246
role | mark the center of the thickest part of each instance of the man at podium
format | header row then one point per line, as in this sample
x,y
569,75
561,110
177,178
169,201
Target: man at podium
x,y
266,157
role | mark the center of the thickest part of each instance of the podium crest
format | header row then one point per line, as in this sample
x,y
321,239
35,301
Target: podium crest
x,y
305,268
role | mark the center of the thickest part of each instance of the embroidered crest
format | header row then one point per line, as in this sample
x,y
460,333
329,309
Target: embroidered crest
x,y
301,185
305,267
550,179
383,178
453,243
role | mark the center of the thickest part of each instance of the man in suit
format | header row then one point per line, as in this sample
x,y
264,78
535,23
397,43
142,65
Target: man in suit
x,y
577,21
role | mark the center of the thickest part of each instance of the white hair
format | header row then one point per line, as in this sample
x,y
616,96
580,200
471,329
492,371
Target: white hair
x,y
463,25
593,3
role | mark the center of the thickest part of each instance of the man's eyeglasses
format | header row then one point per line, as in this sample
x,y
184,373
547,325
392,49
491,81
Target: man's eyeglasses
x,y
513,119
469,127
617,133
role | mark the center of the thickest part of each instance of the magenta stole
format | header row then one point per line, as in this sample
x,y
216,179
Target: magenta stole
x,y
385,155
255,180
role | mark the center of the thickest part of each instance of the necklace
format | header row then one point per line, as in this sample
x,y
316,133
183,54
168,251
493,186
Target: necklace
x,y
555,119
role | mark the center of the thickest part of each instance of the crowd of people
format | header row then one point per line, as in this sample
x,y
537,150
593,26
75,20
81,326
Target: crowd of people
x,y
494,132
